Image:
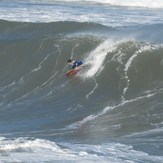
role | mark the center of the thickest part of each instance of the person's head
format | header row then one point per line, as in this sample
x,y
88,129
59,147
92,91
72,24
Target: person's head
x,y
69,61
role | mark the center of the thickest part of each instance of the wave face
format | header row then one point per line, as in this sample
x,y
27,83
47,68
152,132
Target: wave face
x,y
111,111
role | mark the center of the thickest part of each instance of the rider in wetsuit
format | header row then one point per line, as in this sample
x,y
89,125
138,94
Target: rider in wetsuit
x,y
74,64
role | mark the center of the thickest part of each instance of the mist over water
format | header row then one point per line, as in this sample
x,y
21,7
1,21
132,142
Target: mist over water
x,y
110,111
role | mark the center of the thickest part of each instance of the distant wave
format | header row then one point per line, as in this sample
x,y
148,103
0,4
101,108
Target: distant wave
x,y
83,11
133,3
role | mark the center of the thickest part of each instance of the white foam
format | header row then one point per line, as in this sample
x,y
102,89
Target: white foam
x,y
79,11
133,3
131,59
41,150
97,57
108,108
93,90
36,150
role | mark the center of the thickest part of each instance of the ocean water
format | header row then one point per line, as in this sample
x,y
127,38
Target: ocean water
x,y
109,112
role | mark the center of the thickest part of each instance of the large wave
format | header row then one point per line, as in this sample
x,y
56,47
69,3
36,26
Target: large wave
x,y
118,95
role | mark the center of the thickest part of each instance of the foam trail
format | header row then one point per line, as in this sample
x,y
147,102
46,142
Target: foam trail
x,y
97,57
108,108
94,88
144,48
128,64
73,49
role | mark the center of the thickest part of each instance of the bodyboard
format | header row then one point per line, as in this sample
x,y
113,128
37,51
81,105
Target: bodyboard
x,y
72,72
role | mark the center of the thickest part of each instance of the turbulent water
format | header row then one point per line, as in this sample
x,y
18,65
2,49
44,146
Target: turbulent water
x,y
110,111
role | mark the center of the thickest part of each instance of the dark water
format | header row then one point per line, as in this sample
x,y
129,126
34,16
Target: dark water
x,y
111,111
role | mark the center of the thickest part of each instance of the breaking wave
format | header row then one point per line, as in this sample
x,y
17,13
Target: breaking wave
x,y
117,94
133,3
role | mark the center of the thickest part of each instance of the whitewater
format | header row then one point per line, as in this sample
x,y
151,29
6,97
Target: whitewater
x,y
109,112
